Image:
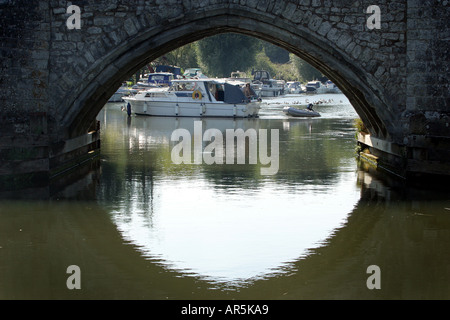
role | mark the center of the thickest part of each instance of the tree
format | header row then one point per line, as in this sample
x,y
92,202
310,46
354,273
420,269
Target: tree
x,y
306,71
219,55
262,62
183,57
275,53
222,54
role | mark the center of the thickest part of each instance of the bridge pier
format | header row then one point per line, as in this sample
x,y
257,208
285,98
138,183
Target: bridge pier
x,y
420,158
54,80
35,160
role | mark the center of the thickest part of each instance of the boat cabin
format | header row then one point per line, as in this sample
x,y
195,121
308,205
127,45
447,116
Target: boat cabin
x,y
293,85
193,73
195,97
314,84
176,71
208,89
261,75
160,79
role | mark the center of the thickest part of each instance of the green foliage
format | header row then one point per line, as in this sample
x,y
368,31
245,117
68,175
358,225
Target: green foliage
x,y
262,62
286,71
359,125
275,54
183,57
222,54
306,71
219,55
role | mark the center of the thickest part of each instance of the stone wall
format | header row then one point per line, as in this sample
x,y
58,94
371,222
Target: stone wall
x,y
428,57
25,45
54,80
331,35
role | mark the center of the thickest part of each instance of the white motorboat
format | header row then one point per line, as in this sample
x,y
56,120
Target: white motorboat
x,y
241,79
315,87
295,112
332,88
120,93
194,73
195,98
294,87
155,80
269,87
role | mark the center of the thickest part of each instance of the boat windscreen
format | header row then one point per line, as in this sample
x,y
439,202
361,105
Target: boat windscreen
x,y
233,94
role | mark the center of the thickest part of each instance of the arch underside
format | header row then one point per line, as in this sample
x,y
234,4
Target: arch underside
x,y
124,60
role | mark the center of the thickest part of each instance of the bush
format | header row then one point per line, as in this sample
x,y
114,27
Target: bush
x,y
359,125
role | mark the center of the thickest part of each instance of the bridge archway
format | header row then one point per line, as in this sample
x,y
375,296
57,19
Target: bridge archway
x,y
122,61
55,80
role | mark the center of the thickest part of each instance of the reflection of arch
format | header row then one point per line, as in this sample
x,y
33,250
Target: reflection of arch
x,y
111,269
382,230
123,60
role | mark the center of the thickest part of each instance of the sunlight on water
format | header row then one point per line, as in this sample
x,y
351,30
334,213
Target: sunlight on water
x,y
229,233
236,238
330,106
142,227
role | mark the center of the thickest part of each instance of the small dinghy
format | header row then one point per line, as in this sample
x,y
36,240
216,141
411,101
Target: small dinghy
x,y
294,112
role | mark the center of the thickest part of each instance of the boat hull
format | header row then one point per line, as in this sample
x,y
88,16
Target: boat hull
x,y
116,97
294,112
271,92
192,109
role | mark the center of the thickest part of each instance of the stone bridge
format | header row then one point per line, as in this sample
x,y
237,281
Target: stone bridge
x,y
55,79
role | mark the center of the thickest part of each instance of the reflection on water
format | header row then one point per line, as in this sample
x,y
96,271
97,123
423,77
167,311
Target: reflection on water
x,y
233,237
146,228
226,223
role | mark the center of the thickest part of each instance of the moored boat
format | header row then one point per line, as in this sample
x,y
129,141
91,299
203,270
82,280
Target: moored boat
x,y
193,73
124,90
293,87
332,88
315,87
241,79
195,98
155,80
269,87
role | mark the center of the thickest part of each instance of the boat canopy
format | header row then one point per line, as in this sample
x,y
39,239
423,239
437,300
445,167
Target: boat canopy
x,y
176,71
261,75
193,72
233,94
160,78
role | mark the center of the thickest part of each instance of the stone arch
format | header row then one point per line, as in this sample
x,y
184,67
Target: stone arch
x,y
54,80
144,44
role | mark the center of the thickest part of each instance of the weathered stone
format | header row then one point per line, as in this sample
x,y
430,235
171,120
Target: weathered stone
x,y
324,28
344,40
103,21
403,66
314,24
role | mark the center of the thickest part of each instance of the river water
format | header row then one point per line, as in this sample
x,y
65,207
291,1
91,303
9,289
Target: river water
x,y
143,227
